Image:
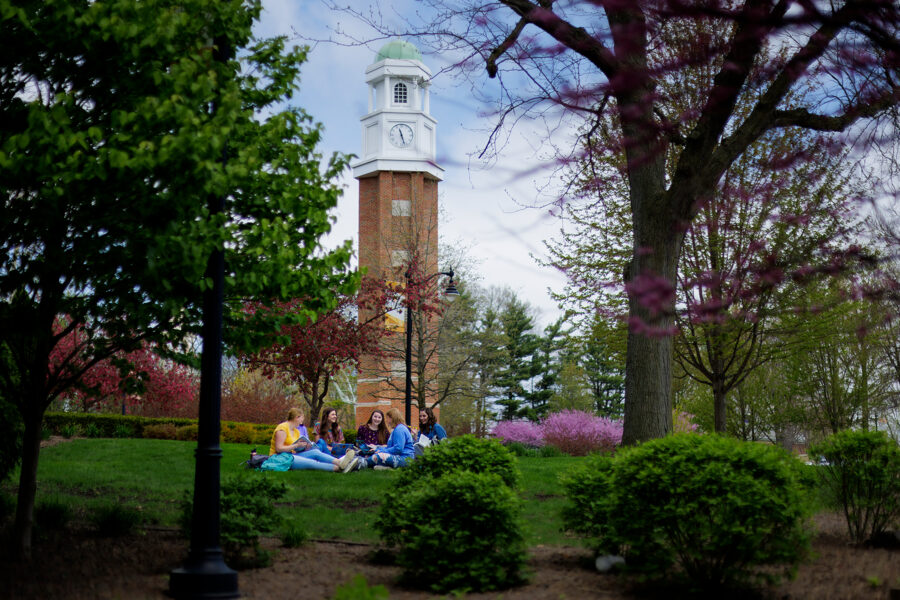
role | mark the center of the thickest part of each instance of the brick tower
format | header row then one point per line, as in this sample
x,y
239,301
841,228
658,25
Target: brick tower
x,y
398,197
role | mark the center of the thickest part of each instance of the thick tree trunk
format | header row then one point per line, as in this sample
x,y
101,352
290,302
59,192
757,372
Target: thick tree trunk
x,y
651,283
648,360
719,406
31,448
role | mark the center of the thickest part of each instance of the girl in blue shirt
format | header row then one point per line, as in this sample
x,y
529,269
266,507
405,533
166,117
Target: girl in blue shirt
x,y
399,449
429,427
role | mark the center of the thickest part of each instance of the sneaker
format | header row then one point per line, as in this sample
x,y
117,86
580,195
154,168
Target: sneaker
x,y
351,466
346,459
381,468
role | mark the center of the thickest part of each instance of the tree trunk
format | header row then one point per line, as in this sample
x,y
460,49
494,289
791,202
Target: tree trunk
x,y
719,406
648,359
31,448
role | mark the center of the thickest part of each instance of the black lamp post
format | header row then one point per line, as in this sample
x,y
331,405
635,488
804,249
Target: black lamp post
x,y
204,574
451,293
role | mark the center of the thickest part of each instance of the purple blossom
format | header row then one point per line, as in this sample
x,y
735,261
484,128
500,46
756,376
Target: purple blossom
x,y
578,433
523,432
681,422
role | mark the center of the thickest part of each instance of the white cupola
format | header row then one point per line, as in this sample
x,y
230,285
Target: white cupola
x,y
398,133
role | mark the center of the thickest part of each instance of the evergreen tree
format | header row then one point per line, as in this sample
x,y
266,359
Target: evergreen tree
x,y
547,364
518,367
603,362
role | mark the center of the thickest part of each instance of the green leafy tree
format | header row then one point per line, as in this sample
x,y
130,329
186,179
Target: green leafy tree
x,y
119,121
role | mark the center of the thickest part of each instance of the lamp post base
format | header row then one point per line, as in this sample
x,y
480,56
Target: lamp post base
x,y
205,578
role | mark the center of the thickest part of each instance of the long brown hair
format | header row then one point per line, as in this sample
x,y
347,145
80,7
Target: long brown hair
x,y
430,423
382,432
334,428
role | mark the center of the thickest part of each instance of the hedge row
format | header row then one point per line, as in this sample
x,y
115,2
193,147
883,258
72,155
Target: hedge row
x,y
132,426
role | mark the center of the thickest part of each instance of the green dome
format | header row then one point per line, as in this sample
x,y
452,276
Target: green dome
x,y
398,49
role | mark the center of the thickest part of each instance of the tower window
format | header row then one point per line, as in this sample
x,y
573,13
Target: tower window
x,y
401,208
399,258
400,94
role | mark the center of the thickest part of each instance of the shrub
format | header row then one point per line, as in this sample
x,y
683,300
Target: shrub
x,y
579,433
440,549
294,536
238,433
163,431
122,431
186,433
116,520
92,430
520,432
862,475
520,449
715,508
247,512
465,453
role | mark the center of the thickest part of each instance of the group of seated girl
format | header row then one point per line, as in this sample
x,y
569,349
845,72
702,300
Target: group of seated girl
x,y
292,436
385,432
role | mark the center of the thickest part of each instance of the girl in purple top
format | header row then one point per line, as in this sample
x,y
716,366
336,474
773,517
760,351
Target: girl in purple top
x,y
374,432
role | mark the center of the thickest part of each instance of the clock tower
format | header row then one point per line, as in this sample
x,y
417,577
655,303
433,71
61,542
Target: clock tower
x,y
398,188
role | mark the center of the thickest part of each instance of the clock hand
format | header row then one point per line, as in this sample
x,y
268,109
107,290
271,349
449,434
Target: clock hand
x,y
402,138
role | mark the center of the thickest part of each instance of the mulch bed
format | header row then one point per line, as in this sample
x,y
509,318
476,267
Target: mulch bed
x,y
79,565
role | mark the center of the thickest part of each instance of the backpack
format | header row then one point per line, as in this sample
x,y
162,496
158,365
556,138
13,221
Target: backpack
x,y
256,460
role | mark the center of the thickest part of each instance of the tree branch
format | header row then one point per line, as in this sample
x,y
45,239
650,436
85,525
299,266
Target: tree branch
x,y
491,62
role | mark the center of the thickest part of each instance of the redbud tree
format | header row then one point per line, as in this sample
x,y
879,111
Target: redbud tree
x,y
574,63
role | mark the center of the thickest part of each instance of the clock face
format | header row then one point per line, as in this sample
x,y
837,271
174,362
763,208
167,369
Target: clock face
x,y
401,135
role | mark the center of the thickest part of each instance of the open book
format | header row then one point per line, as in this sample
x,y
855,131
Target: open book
x,y
306,440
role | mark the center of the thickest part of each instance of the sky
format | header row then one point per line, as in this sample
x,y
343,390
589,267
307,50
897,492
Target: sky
x,y
486,208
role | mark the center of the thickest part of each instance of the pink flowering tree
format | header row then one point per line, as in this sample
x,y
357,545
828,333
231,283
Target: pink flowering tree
x,y
146,383
574,432
578,433
522,432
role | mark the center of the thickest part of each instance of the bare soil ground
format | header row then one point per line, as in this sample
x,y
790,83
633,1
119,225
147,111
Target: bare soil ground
x,y
78,565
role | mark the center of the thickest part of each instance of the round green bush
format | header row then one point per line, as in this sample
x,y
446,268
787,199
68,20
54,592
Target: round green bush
x,y
706,508
861,474
456,533
464,453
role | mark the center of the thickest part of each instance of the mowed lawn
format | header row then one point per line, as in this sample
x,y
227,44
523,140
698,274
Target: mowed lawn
x,y
153,476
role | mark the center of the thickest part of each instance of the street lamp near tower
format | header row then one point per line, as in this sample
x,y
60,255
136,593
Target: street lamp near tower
x,y
450,293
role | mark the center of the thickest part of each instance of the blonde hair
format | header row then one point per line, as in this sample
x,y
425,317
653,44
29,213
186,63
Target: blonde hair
x,y
294,413
394,414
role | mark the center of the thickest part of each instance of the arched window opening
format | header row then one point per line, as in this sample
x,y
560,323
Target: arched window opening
x,y
400,94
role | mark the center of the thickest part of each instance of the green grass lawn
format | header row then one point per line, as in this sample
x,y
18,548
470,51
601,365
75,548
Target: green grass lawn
x,y
153,474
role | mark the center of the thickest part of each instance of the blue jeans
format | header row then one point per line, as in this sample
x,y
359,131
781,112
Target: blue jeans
x,y
312,460
393,461
337,450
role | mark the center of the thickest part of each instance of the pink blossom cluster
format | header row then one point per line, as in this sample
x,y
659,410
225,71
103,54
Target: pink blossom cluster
x,y
523,432
578,433
574,432
681,422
